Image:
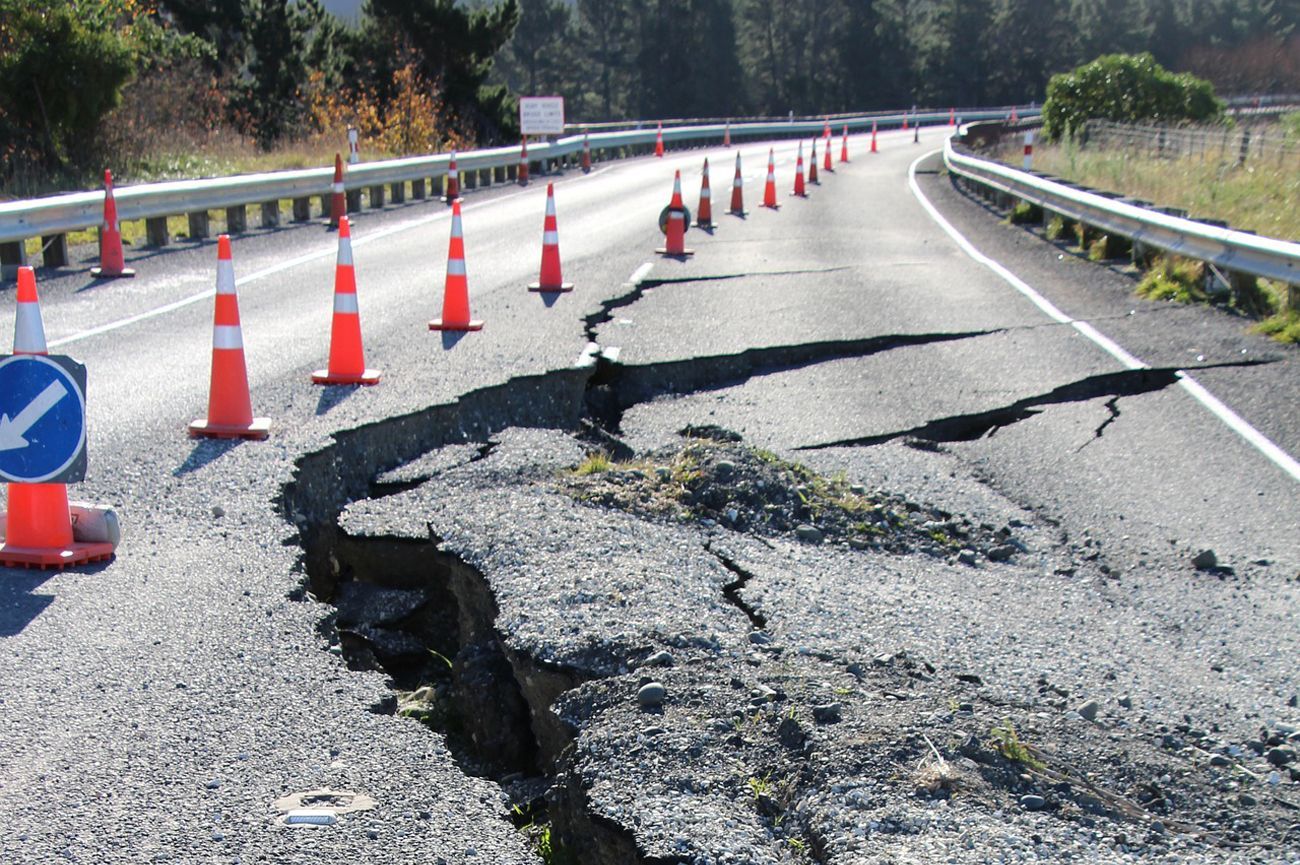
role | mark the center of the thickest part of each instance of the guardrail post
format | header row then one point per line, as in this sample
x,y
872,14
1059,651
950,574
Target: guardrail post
x,y
376,196
301,209
325,203
417,189
12,256
54,250
353,197
156,232
397,192
200,226
236,219
270,214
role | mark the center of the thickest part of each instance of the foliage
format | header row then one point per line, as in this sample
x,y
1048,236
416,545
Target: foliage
x,y
1125,87
450,44
61,70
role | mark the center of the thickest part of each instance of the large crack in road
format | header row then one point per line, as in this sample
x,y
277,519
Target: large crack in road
x,y
977,425
514,716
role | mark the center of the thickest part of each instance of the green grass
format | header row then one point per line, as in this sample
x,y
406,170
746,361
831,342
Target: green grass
x,y
1282,326
595,463
1261,196
1177,279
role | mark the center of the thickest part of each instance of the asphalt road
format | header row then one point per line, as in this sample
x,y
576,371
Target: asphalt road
x,y
155,708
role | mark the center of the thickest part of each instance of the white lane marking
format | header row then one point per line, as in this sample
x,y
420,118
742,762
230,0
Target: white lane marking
x,y
292,263
1231,419
640,273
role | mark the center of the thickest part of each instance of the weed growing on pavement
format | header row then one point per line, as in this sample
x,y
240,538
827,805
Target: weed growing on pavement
x,y
1007,742
1055,228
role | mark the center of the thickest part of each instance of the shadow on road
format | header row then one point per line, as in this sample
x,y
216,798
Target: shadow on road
x,y
205,451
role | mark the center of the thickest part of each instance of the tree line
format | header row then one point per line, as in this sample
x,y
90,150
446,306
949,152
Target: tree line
x,y
648,59
81,80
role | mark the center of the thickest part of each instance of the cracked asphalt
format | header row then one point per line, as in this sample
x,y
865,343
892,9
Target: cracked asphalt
x,y
155,708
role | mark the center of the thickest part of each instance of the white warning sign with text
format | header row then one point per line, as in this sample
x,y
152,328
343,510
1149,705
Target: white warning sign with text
x,y
541,115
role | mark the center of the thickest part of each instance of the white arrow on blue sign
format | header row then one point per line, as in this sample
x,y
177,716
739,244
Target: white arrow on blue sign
x,y
42,419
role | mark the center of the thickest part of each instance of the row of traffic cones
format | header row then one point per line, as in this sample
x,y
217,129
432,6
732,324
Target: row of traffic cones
x,y
113,264
230,412
674,219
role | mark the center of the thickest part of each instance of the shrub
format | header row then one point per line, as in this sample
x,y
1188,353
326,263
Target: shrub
x,y
60,72
1125,88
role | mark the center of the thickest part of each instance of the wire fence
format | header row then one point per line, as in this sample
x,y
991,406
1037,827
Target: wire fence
x,y
1239,144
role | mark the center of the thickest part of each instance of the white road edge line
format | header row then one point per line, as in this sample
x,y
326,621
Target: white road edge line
x,y
329,252
1230,418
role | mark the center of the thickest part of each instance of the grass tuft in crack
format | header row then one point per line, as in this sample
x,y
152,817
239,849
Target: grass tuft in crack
x,y
713,480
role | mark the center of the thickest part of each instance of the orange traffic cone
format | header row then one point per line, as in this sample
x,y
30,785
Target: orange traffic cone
x,y
704,213
812,165
873,137
675,227
826,130
112,263
453,179
726,136
455,296
230,408
769,189
844,145
827,165
347,364
551,278
586,154
659,141
338,201
737,192
1014,117
952,116
904,121
799,189
523,161
38,523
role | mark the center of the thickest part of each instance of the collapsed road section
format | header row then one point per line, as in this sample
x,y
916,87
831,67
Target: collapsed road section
x,y
702,652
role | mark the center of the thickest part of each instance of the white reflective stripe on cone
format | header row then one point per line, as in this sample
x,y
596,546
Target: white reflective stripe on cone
x,y
706,193
550,238
225,276
346,302
29,330
226,336
455,267
345,254
338,189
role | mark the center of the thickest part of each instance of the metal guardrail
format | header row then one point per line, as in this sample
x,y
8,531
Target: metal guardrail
x,y
1231,250
56,215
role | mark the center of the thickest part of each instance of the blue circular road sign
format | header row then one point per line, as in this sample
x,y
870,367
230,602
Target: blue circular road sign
x,y
42,419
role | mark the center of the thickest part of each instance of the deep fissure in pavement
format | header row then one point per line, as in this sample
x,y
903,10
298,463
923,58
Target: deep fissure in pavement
x,y
635,291
977,425
488,700
429,619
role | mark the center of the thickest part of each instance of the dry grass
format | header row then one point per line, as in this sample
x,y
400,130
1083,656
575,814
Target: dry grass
x,y
1261,196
